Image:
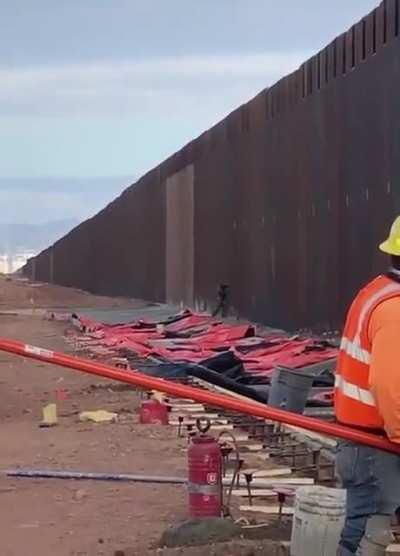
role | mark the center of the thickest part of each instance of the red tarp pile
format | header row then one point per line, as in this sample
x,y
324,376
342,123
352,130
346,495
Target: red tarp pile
x,y
190,337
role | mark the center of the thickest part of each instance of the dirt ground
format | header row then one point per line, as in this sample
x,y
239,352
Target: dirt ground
x,y
20,294
46,517
69,517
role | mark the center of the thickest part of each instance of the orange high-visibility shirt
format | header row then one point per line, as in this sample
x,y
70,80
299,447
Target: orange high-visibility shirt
x,y
384,374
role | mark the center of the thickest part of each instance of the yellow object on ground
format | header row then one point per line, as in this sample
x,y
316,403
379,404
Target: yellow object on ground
x,y
99,416
159,396
49,415
392,245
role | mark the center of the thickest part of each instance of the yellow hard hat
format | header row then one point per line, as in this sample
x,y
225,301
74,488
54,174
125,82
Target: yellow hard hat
x,y
392,245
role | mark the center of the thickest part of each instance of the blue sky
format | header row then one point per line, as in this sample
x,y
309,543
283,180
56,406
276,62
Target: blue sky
x,y
108,88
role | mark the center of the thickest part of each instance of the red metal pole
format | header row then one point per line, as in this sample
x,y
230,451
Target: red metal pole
x,y
217,400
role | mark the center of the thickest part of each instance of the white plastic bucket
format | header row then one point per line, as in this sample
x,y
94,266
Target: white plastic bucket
x,y
318,521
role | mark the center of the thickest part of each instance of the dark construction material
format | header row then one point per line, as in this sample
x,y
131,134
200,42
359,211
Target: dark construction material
x,y
292,192
184,370
84,476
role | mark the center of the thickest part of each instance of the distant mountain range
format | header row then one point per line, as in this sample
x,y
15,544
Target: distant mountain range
x,y
32,237
61,201
50,207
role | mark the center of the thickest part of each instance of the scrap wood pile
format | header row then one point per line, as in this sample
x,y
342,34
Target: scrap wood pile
x,y
188,345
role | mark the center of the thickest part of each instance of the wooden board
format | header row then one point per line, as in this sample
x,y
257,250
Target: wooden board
x,y
181,401
252,447
271,510
321,439
262,473
393,549
272,472
239,437
270,483
263,455
187,407
262,493
187,421
188,416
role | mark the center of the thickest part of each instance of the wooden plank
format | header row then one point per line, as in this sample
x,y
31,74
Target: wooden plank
x,y
252,447
278,482
187,416
271,510
181,401
321,439
239,437
177,401
250,470
216,416
263,456
262,473
222,427
262,493
268,472
393,549
183,405
186,407
187,421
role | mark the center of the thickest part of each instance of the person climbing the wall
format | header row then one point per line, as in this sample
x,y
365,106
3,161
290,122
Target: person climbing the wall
x,y
222,306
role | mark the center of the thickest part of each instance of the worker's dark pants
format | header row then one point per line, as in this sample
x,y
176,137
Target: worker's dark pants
x,y
372,480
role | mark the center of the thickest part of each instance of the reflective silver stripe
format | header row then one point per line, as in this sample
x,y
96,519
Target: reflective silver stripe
x,y
355,350
386,290
354,392
207,490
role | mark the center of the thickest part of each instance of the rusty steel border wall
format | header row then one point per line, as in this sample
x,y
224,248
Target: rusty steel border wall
x,y
285,200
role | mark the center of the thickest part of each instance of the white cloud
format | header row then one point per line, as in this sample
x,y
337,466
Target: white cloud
x,y
17,205
140,87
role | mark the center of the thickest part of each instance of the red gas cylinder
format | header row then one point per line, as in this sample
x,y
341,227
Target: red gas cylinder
x,y
205,477
152,412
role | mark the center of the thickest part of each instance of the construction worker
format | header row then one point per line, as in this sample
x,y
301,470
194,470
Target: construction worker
x,y
367,396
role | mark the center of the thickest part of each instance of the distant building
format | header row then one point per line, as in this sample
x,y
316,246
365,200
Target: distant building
x,y
4,264
10,263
